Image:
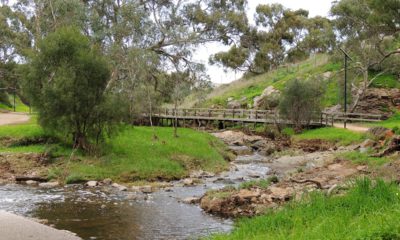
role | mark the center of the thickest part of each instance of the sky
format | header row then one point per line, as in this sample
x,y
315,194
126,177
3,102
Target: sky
x,y
217,74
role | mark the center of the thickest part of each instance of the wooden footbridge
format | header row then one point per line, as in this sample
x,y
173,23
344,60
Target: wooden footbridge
x,y
245,116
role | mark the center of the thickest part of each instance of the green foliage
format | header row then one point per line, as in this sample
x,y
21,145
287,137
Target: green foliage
x,y
69,93
263,183
301,101
390,123
288,131
367,211
252,86
385,81
336,135
135,155
364,158
132,155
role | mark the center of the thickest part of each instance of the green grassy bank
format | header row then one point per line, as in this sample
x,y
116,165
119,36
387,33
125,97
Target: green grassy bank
x,y
334,135
367,211
134,154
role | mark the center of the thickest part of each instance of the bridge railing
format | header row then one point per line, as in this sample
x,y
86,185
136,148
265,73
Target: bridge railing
x,y
324,118
218,113
352,117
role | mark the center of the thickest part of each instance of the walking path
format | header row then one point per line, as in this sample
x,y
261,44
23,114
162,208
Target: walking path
x,y
13,227
13,118
352,127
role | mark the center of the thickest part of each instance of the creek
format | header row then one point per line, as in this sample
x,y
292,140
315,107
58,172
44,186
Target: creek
x,y
105,213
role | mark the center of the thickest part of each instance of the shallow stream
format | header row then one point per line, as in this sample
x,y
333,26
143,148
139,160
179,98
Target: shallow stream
x,y
107,214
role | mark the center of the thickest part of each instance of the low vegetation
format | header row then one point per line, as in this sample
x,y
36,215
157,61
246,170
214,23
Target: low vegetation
x,y
134,154
368,211
364,158
335,135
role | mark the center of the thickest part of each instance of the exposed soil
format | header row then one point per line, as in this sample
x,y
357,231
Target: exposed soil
x,y
22,164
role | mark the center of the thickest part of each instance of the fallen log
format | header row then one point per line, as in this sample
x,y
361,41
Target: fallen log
x,y
32,178
319,185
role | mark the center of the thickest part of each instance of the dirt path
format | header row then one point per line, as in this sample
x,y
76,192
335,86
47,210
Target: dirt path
x,y
13,118
352,127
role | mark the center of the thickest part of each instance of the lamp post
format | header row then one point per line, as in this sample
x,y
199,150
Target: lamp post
x,y
346,58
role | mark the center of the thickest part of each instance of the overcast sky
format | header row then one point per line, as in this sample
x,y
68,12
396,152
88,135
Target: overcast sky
x,y
217,75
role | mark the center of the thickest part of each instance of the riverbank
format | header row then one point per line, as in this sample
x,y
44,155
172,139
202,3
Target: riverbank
x,y
135,154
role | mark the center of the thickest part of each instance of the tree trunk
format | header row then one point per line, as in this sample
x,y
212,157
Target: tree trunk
x,y
80,142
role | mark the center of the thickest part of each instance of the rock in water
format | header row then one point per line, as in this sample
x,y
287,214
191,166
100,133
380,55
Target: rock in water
x,y
191,200
31,183
49,184
188,182
92,183
119,187
146,189
107,181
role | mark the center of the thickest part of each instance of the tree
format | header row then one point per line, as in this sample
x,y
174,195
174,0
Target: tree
x,y
301,102
370,32
66,82
280,35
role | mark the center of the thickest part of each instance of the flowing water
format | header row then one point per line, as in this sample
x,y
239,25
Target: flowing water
x,y
103,213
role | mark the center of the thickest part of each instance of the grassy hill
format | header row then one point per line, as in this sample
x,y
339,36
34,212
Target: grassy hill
x,y
19,105
316,67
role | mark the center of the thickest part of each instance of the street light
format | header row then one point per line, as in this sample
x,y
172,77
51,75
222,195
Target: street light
x,y
346,58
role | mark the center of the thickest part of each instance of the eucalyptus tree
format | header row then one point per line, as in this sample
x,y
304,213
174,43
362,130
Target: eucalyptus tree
x,y
370,32
280,35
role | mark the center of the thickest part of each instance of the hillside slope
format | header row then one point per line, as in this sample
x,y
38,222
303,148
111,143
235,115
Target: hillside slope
x,y
244,91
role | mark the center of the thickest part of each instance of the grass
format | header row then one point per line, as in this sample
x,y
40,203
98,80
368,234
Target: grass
x,y
131,155
364,158
390,123
368,211
385,81
263,183
19,105
336,135
251,86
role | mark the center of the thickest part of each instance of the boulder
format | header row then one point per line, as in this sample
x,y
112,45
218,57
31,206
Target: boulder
x,y
92,183
188,182
191,200
245,194
49,184
31,183
146,189
233,104
327,75
268,94
119,187
107,181
135,189
281,194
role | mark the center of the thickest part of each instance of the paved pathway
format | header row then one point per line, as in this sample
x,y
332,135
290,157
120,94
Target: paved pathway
x,y
13,227
13,118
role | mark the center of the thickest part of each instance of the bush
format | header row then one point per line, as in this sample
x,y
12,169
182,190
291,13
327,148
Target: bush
x,y
301,102
66,82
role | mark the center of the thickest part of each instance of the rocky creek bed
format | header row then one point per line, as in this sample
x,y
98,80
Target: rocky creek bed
x,y
180,210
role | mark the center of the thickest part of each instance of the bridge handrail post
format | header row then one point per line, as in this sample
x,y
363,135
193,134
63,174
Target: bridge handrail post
x,y
233,113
